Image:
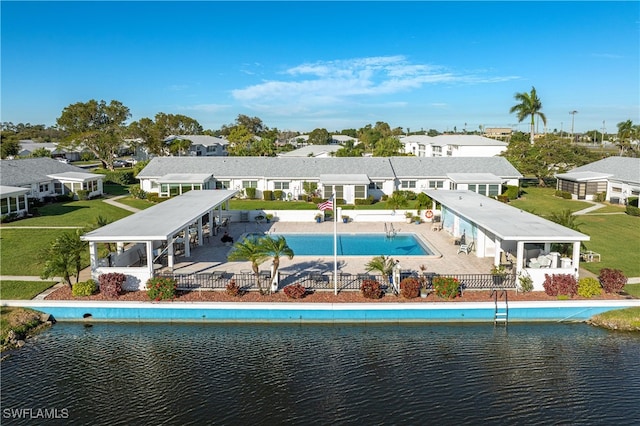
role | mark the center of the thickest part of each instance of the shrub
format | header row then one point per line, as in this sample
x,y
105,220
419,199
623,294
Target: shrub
x,y
295,291
425,201
233,289
446,287
267,195
278,193
512,192
161,288
124,177
371,289
560,284
83,194
526,283
612,280
632,211
251,193
563,194
137,192
364,201
410,288
600,197
589,287
632,201
317,200
111,284
502,198
86,288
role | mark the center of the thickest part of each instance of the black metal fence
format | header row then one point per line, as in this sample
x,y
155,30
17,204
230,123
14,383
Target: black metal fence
x,y
323,281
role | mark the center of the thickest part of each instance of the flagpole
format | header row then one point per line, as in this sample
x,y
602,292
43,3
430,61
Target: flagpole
x,y
335,247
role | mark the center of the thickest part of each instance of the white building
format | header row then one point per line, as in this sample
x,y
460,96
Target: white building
x,y
452,146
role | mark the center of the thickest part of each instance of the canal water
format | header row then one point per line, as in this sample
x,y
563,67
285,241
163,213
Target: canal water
x,y
188,374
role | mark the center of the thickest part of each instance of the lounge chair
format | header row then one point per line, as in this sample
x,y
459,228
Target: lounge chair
x,y
465,248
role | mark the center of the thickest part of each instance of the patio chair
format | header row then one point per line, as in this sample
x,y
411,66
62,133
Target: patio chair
x,y
142,258
465,248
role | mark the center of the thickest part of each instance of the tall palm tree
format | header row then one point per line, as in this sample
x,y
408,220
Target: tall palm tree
x,y
626,133
530,105
275,248
250,249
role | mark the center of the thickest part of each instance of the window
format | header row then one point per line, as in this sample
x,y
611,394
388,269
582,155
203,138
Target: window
x,y
437,151
22,204
472,187
222,184
407,184
436,184
4,206
281,185
360,191
328,190
57,187
494,190
615,189
375,185
249,184
44,187
482,189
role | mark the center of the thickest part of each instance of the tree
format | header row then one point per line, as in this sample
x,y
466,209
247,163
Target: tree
x,y
249,249
397,200
319,137
275,248
64,257
8,147
387,147
179,146
176,124
382,264
350,149
41,152
627,132
240,140
529,106
95,126
147,130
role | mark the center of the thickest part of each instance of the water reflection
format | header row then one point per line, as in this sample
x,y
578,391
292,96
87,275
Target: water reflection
x,y
258,374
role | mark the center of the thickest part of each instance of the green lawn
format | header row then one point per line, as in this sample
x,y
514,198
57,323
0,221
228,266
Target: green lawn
x,y
610,208
72,213
115,188
135,202
617,239
23,290
543,202
20,249
633,290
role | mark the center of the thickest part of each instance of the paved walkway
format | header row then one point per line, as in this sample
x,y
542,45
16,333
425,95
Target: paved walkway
x,y
114,202
594,207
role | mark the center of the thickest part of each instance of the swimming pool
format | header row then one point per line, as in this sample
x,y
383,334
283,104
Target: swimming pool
x,y
403,244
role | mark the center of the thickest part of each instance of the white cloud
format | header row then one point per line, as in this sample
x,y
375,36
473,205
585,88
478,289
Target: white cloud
x,y
310,86
205,107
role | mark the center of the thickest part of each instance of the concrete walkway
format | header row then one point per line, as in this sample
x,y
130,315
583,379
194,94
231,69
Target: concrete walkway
x,y
594,207
114,202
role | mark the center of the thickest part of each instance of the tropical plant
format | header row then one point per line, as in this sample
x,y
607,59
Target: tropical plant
x,y
382,264
111,284
612,280
626,133
589,287
560,284
529,106
446,287
276,248
63,257
233,289
295,291
249,249
397,200
526,282
161,288
84,288
371,289
410,287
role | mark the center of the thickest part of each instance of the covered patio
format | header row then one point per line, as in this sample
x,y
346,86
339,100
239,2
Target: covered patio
x,y
510,236
144,239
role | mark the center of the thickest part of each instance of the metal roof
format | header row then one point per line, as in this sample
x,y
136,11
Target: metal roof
x,y
583,176
624,169
12,191
185,178
32,170
76,176
341,179
163,220
504,221
474,178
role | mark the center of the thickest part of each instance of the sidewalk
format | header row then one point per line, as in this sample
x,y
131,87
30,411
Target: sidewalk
x,y
114,202
594,207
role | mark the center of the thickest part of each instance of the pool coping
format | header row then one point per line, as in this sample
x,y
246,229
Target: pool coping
x,y
306,312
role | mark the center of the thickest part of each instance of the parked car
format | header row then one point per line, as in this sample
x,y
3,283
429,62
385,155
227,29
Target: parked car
x,y
121,163
64,160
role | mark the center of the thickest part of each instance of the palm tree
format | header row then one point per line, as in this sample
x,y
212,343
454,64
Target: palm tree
x,y
251,250
64,257
567,219
397,200
530,105
625,135
275,248
384,265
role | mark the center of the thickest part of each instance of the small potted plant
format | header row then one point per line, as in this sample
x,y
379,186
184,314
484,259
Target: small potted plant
x,y
409,216
417,220
319,217
269,216
498,272
345,218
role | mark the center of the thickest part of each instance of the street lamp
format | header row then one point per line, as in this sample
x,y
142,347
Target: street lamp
x,y
573,115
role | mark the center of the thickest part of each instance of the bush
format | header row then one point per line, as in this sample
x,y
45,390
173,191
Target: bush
x,y
410,288
600,197
560,284
295,291
632,211
632,201
371,289
446,287
267,195
425,201
612,280
563,194
526,283
83,194
111,284
137,192
233,289
154,197
86,288
364,201
124,177
251,193
161,288
502,198
589,287
278,194
512,192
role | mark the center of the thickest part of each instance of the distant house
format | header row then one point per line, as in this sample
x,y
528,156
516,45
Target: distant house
x,y
335,140
203,145
312,151
350,178
452,146
13,200
46,177
27,147
617,177
498,132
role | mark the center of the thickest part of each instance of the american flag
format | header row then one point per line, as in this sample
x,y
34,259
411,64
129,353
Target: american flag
x,y
327,205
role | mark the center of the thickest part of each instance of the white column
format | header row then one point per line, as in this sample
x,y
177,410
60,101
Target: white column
x,y
498,251
149,250
187,247
576,258
93,259
519,256
170,254
200,242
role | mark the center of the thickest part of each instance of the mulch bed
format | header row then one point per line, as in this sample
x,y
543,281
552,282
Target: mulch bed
x,y
64,293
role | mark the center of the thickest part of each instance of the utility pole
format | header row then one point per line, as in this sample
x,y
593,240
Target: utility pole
x,y
602,137
573,115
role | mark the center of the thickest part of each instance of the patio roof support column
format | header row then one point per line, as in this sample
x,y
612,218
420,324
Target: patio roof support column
x,y
200,242
148,248
498,245
211,227
187,246
519,256
93,259
576,258
170,255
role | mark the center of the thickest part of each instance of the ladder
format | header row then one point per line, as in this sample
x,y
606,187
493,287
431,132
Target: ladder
x,y
501,313
390,230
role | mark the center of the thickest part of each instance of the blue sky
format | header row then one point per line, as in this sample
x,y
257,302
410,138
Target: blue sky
x,y
334,65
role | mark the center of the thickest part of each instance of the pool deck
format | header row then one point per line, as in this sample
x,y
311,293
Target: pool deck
x,y
212,255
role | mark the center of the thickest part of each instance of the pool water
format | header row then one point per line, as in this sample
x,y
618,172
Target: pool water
x,y
406,244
